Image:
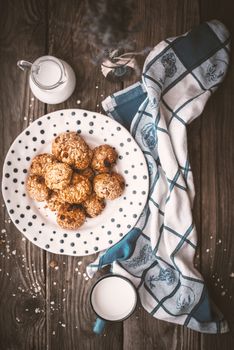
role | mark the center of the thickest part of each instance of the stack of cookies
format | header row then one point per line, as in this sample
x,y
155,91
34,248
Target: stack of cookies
x,y
75,180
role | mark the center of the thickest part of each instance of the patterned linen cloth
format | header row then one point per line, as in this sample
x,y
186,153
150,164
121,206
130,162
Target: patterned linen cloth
x,y
179,76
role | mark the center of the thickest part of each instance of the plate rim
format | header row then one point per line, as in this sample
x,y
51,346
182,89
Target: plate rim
x,y
67,110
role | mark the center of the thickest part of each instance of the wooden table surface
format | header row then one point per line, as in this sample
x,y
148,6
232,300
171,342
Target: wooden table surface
x,y
46,308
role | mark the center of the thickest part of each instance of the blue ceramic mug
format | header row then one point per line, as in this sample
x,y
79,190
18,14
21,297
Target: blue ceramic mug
x,y
112,298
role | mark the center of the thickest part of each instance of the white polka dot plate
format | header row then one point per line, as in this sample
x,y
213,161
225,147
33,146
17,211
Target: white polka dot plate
x,y
37,222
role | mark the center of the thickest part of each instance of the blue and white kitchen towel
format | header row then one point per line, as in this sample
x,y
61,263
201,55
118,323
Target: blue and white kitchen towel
x,y
179,76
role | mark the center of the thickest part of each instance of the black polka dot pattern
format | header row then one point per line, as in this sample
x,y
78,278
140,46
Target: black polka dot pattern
x,y
37,222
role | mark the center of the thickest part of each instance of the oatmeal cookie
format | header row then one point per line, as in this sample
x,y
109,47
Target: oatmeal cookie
x,y
58,176
53,202
37,188
71,148
78,191
88,172
70,216
40,162
93,205
104,157
109,186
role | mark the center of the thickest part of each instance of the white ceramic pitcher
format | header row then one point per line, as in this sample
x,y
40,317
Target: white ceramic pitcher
x,y
51,80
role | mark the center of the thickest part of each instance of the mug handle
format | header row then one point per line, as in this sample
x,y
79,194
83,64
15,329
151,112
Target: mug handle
x,y
99,326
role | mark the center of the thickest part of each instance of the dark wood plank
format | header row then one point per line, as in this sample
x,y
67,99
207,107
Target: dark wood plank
x,y
162,19
69,325
218,188
22,291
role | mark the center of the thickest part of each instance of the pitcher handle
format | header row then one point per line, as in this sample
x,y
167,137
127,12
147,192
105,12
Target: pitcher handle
x,y
24,64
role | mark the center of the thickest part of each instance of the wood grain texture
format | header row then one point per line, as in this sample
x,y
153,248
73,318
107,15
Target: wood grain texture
x,y
22,276
46,307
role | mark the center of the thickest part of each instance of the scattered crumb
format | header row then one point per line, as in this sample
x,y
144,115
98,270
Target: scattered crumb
x,y
17,319
54,283
37,289
79,263
2,241
207,250
223,293
231,275
3,230
96,86
78,102
53,263
37,310
86,278
53,333
76,269
52,302
63,325
64,290
13,252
